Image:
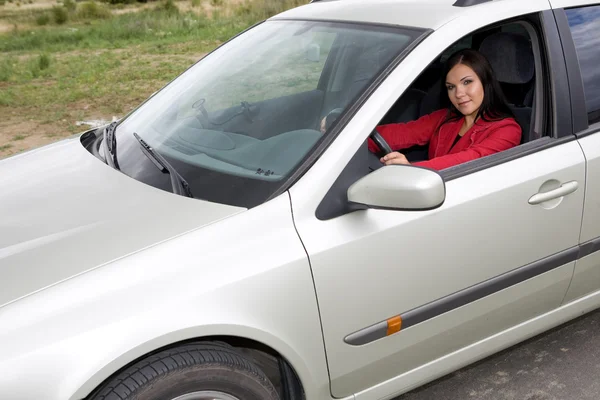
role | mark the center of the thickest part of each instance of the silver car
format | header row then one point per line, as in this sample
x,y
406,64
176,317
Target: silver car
x,y
223,242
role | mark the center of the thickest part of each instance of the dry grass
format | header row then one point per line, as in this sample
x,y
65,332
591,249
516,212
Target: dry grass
x,y
46,86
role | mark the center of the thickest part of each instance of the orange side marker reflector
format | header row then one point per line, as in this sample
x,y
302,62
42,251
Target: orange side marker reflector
x,y
393,325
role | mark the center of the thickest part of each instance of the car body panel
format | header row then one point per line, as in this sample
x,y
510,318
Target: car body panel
x,y
590,229
586,278
407,13
69,338
378,293
160,279
67,212
442,335
481,349
571,3
394,261
431,14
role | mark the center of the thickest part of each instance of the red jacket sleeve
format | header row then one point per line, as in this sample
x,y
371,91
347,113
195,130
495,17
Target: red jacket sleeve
x,y
505,135
404,135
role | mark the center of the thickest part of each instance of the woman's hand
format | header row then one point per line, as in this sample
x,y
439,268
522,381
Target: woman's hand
x,y
323,125
394,158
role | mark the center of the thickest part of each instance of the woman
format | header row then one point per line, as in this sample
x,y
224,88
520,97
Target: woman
x,y
477,123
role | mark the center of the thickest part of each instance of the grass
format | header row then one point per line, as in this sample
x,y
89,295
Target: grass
x,y
158,24
76,77
91,10
153,26
100,64
60,15
43,19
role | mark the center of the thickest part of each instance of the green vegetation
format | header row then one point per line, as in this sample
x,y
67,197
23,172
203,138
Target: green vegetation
x,y
91,10
69,5
169,8
42,19
159,25
43,62
60,15
163,23
71,61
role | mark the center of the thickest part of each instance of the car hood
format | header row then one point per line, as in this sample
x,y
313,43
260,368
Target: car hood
x,y
63,212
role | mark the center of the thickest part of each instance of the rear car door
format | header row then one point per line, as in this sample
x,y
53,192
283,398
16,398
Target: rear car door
x,y
580,27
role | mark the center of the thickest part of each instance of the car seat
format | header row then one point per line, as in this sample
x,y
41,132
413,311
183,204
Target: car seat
x,y
511,57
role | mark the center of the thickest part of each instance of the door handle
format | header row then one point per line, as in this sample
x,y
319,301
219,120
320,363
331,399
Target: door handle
x,y
563,190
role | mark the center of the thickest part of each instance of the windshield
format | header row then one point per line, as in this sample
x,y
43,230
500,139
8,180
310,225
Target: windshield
x,y
243,118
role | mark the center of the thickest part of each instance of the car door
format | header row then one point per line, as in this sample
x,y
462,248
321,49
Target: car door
x,y
399,289
579,30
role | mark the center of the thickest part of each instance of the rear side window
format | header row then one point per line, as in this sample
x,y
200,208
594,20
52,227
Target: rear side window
x,y
585,29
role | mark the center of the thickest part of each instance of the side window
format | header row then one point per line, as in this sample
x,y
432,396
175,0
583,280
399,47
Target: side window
x,y
585,29
464,43
509,49
516,58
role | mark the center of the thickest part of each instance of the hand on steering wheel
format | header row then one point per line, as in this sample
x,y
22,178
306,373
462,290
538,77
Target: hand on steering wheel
x,y
328,120
390,157
394,158
380,142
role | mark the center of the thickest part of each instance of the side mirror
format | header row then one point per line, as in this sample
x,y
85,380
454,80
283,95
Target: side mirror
x,y
399,187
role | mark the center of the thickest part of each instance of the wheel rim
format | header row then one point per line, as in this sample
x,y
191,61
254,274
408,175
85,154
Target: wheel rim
x,y
206,395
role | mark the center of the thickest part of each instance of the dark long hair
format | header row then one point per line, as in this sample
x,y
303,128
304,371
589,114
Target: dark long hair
x,y
494,106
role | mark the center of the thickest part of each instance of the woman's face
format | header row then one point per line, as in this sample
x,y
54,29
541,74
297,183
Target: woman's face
x,y
465,89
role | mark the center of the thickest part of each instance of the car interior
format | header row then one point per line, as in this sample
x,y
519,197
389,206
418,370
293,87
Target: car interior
x,y
243,140
510,50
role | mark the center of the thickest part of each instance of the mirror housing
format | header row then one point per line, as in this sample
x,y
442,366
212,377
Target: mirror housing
x,y
399,187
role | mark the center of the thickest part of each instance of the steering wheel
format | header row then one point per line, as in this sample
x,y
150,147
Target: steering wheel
x,y
380,142
331,117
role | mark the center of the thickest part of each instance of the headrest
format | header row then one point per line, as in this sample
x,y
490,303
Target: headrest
x,y
510,55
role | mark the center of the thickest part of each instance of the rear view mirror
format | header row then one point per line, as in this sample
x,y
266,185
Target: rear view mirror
x,y
313,52
399,187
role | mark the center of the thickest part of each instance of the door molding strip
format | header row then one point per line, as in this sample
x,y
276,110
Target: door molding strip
x,y
463,297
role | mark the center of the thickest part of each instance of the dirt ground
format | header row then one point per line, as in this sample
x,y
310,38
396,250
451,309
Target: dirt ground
x,y
205,8
21,128
17,133
24,128
16,6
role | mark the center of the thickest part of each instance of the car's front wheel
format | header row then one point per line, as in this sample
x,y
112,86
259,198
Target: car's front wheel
x,y
198,371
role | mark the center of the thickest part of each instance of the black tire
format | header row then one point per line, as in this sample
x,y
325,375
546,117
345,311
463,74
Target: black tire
x,y
191,368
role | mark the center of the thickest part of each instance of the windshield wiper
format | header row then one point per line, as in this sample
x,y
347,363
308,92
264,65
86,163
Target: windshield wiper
x,y
179,185
110,145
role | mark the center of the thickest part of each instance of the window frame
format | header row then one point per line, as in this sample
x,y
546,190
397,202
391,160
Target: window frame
x,y
557,109
579,116
560,125
551,112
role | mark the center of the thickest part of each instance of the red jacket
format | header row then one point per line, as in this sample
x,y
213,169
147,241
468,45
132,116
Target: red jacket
x,y
484,138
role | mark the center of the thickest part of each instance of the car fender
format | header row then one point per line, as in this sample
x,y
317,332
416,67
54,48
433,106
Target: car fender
x,y
246,276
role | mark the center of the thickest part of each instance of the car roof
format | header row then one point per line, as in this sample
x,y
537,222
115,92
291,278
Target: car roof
x,y
430,14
